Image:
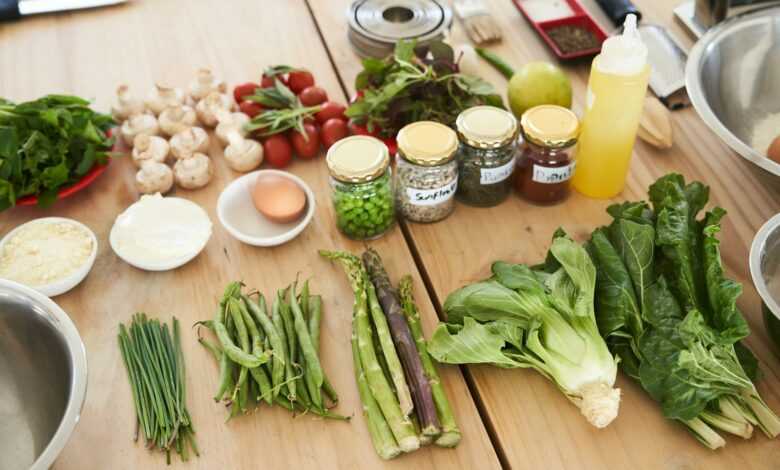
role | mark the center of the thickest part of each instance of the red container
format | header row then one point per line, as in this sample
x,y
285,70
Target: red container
x,y
579,18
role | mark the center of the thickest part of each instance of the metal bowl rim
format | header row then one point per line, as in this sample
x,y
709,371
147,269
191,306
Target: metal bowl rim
x,y
756,250
78,356
696,94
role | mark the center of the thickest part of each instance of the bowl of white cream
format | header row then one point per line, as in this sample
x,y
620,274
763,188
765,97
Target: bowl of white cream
x,y
160,233
51,255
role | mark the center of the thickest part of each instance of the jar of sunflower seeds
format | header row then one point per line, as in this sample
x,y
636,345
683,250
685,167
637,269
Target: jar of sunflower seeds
x,y
426,171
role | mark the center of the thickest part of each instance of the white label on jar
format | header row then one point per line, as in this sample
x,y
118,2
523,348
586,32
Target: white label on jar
x,y
432,197
497,174
547,175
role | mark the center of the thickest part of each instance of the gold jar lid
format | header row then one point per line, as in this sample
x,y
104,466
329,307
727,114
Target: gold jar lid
x,y
486,127
550,126
358,159
427,143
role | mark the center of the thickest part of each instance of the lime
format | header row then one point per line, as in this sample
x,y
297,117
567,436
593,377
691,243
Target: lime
x,y
538,83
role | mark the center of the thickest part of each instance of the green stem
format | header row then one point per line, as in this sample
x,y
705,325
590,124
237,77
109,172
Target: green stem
x,y
705,434
450,436
497,62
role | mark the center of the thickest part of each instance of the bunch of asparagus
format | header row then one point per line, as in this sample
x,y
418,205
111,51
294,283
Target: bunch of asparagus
x,y
404,401
270,358
155,368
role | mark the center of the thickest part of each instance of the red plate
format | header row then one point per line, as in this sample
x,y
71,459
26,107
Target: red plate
x,y
85,181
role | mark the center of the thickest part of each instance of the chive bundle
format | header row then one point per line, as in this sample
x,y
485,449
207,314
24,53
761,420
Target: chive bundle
x,y
155,367
271,358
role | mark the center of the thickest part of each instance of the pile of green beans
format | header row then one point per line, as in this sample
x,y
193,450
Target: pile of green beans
x,y
270,357
155,367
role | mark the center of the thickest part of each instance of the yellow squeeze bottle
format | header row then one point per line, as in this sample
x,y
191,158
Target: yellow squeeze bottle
x,y
616,93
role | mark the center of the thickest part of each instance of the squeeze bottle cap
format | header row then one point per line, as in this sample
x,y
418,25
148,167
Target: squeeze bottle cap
x,y
624,54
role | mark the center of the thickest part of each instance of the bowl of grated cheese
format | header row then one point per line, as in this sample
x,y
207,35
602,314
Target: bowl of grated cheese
x,y
51,255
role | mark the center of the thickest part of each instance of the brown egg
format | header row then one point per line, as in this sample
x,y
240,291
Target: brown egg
x,y
279,199
774,150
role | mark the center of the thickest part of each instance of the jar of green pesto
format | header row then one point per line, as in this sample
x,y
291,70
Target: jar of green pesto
x,y
486,157
362,187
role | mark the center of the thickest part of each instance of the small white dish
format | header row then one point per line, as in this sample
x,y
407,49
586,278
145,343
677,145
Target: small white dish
x,y
174,261
238,214
72,280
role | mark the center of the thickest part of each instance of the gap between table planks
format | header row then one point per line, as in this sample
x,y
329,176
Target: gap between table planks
x,y
89,53
532,424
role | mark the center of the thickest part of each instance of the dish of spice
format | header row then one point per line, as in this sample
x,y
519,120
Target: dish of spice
x,y
573,38
51,255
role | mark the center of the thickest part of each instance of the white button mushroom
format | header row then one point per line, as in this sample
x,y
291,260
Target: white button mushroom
x,y
149,147
176,119
243,154
127,105
208,107
139,124
154,177
162,97
230,123
189,141
194,172
205,82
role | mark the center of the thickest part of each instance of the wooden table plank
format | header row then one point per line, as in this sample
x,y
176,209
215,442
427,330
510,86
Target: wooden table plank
x,y
536,427
89,54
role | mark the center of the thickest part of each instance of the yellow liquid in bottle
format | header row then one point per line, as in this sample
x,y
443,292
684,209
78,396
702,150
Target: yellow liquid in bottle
x,y
609,127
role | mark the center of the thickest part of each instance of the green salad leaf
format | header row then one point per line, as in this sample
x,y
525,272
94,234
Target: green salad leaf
x,y
47,144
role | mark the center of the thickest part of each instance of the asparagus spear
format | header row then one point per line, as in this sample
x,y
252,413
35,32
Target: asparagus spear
x,y
400,425
404,342
450,436
381,435
389,352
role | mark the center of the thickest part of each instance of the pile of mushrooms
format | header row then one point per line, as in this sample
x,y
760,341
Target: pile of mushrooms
x,y
168,143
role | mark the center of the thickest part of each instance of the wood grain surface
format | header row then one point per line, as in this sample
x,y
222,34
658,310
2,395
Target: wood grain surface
x,y
89,53
534,426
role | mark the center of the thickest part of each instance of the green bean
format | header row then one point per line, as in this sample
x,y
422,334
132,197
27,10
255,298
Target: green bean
x,y
212,348
235,353
315,319
278,358
313,375
266,389
304,301
279,326
243,341
289,328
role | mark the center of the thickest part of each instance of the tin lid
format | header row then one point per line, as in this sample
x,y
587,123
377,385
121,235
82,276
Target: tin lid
x,y
486,127
551,126
358,159
427,143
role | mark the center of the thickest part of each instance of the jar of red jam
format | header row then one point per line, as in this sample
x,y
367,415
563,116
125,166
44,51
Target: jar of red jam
x,y
546,164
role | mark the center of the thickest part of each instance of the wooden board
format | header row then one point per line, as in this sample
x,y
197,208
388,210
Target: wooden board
x,y
534,425
89,54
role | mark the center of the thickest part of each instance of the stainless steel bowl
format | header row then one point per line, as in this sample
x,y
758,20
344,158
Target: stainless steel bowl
x,y
733,79
43,378
765,271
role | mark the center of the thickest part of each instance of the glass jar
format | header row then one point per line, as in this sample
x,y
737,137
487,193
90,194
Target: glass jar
x,y
426,173
361,184
486,158
546,164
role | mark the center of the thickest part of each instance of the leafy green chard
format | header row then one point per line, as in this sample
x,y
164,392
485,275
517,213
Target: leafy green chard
x,y
47,144
670,313
416,84
540,318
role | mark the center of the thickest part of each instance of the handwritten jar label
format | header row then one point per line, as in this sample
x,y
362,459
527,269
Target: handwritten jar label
x,y
497,174
547,175
432,197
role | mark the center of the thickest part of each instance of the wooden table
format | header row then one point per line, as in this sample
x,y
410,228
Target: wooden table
x,y
514,419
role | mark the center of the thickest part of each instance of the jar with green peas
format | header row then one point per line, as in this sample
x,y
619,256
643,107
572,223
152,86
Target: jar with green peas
x,y
362,187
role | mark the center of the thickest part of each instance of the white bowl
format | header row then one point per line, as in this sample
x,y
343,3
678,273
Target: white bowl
x,y
71,281
160,265
238,214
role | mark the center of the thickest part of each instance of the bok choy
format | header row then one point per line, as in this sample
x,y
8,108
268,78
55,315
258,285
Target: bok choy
x,y
541,318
